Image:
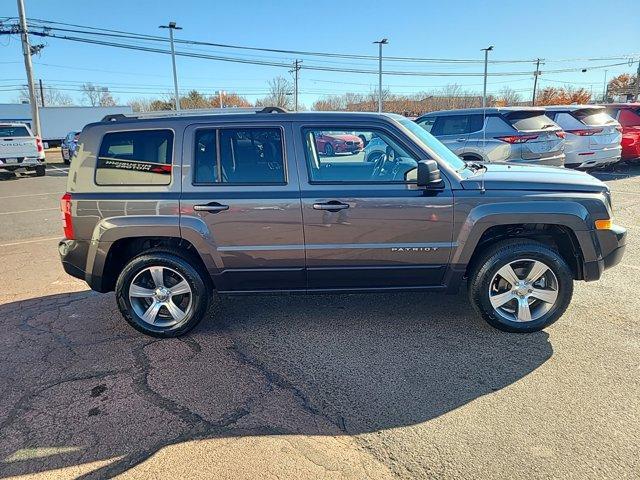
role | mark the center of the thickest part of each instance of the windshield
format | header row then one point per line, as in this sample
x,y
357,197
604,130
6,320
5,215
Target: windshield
x,y
433,144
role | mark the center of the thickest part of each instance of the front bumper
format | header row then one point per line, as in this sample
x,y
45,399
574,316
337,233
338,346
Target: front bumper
x,y
612,245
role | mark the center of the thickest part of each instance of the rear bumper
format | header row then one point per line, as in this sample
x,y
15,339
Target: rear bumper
x,y
597,158
612,246
27,162
73,255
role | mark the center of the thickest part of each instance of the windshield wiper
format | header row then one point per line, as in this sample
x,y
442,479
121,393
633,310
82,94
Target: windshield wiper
x,y
548,125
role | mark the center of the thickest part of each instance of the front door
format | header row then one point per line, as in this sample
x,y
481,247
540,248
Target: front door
x,y
241,194
366,224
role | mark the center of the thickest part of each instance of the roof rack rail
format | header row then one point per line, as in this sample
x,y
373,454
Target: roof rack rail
x,y
192,112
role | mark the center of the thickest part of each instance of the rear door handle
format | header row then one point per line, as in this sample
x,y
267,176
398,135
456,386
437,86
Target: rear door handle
x,y
213,207
332,206
460,139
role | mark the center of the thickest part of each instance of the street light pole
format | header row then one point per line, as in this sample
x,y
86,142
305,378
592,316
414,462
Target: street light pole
x,y
172,26
484,94
384,41
486,61
26,51
604,87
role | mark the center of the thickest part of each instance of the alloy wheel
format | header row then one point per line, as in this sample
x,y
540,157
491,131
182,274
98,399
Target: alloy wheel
x,y
523,290
160,296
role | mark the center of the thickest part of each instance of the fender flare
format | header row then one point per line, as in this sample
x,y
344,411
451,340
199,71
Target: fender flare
x,y
568,214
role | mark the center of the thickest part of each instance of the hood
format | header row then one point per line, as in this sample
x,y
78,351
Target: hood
x,y
533,177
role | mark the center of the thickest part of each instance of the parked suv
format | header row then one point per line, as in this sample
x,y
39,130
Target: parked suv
x,y
68,146
166,210
508,134
628,115
593,136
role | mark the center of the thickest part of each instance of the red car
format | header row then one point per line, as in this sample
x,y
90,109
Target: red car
x,y
628,115
329,143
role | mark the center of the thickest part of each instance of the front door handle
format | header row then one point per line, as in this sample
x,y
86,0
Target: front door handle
x,y
460,139
213,207
332,206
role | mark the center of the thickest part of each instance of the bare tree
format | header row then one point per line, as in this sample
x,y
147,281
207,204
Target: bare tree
x,y
507,96
140,104
52,97
97,96
280,94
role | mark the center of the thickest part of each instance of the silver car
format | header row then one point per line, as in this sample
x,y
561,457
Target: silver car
x,y
593,136
507,134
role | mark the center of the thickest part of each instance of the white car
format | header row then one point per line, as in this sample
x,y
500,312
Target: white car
x,y
592,135
20,149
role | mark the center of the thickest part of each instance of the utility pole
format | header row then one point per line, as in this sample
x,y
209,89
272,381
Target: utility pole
x,y
384,41
41,93
638,82
604,87
172,26
221,94
535,82
26,51
297,65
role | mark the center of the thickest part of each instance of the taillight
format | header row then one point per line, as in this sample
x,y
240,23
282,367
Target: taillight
x,y
517,138
585,133
65,215
560,134
39,144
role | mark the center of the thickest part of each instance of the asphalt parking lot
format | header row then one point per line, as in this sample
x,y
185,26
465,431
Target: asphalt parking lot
x,y
341,386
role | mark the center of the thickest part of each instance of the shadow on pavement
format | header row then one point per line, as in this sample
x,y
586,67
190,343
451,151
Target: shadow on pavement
x,y
618,171
79,385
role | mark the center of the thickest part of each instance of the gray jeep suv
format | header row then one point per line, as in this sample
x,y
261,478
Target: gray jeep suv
x,y
166,210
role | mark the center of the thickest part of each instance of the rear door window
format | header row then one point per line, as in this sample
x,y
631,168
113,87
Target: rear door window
x,y
239,156
136,157
528,120
427,123
451,125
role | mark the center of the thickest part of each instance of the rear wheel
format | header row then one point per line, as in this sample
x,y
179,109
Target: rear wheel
x,y
521,286
162,294
40,171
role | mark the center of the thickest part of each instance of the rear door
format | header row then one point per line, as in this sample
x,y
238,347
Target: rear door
x,y
240,192
453,131
370,226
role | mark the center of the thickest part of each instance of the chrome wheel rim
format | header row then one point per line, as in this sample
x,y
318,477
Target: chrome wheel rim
x,y
523,290
160,296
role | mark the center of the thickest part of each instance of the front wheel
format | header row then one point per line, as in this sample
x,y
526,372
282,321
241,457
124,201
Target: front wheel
x,y
328,150
521,286
40,171
162,294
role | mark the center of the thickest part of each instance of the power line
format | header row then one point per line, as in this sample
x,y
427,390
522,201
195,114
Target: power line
x,y
305,67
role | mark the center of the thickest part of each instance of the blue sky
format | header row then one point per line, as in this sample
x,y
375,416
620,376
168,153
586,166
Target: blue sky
x,y
552,30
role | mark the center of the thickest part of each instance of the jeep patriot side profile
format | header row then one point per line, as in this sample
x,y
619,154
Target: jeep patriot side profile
x,y
168,209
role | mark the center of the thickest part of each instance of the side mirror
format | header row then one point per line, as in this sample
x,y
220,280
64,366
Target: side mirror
x,y
429,175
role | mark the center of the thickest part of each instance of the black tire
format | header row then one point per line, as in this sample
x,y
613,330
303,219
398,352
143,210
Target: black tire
x,y
188,269
328,150
486,267
40,171
66,161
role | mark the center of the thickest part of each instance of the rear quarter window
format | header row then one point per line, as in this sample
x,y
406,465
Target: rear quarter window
x,y
135,157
